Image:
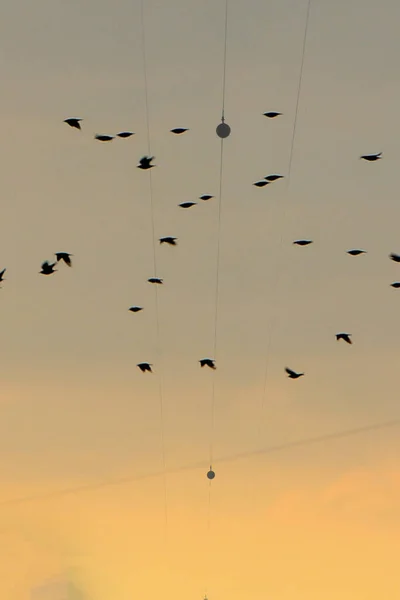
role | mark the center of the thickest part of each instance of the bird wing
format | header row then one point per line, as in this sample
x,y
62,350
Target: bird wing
x,y
290,372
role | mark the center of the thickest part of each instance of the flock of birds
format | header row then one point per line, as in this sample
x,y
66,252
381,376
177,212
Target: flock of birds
x,y
145,163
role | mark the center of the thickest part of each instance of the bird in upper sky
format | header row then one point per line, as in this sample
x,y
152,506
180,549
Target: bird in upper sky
x,y
272,114
395,257
356,252
206,197
168,240
344,336
155,280
303,242
145,367
65,257
145,162
187,204
2,274
178,130
48,268
372,157
395,284
125,134
261,183
103,138
208,362
273,177
135,309
293,374
73,123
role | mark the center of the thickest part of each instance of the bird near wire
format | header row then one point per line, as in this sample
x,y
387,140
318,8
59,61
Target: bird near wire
x,y
145,163
103,138
171,241
125,134
356,252
394,257
395,284
372,157
302,242
206,197
135,309
345,337
208,362
187,204
48,268
2,274
273,177
292,374
75,123
178,130
272,114
261,183
145,367
64,256
156,280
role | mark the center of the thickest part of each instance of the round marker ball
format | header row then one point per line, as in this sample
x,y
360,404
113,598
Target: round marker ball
x,y
210,474
223,130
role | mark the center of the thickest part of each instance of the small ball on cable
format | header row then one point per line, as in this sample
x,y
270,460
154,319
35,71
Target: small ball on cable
x,y
210,474
223,130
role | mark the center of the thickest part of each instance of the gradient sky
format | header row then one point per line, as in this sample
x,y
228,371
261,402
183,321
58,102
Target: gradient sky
x,y
316,522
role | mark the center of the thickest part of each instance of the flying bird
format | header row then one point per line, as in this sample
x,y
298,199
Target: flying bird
x,y
262,183
2,274
73,123
207,362
65,257
272,114
155,280
168,240
48,268
206,197
187,204
145,367
145,162
125,134
103,138
293,374
372,157
356,252
344,336
135,309
395,257
395,284
303,242
179,130
273,177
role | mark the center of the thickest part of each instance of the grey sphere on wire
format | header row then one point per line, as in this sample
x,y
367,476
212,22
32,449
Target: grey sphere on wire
x,y
48,268
135,309
187,204
125,134
103,138
171,241
65,257
206,197
145,162
156,280
261,183
372,157
75,123
210,474
303,242
395,257
356,252
208,362
272,114
273,177
395,284
345,337
179,130
292,374
145,367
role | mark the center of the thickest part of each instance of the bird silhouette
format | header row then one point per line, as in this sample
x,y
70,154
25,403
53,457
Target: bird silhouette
x,y
356,252
103,138
272,114
155,280
207,362
395,257
145,367
261,183
135,309
395,284
65,257
303,242
372,157
168,240
125,134
178,130
206,197
48,268
73,123
187,204
2,274
344,336
145,162
293,374
273,177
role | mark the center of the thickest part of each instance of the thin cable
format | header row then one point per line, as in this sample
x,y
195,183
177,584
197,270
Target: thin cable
x,y
160,389
344,433
224,61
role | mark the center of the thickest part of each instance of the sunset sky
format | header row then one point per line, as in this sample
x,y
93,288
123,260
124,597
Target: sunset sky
x,y
313,522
